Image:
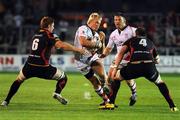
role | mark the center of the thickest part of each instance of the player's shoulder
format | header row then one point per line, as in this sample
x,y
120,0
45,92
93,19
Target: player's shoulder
x,y
114,33
83,27
132,28
129,41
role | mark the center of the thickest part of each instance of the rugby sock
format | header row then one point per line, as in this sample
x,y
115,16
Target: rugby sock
x,y
100,92
60,85
132,86
13,89
115,85
165,92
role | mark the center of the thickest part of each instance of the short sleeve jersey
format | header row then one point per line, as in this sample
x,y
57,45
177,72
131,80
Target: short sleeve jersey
x,y
141,49
117,38
89,34
42,43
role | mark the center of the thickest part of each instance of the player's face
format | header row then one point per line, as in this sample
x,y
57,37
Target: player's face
x,y
119,22
51,27
95,24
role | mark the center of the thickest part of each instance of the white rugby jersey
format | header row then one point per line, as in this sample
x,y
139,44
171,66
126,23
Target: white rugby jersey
x,y
118,38
86,32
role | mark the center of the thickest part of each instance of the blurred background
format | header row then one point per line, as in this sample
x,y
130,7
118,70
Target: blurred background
x,y
20,19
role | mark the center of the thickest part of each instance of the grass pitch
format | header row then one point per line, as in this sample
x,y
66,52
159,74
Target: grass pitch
x,y
34,100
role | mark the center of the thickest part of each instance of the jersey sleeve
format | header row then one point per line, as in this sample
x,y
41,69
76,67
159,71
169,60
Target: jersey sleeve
x,y
111,41
133,31
82,31
53,39
155,53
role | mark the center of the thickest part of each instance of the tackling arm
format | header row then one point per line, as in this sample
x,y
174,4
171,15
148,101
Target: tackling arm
x,y
118,60
68,47
87,43
156,56
106,52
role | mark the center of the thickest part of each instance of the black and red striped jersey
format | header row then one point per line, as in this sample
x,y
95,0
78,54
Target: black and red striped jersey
x,y
141,49
42,43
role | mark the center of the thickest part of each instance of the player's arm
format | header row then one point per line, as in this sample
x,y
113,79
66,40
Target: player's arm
x,y
102,39
68,47
89,43
106,52
119,58
120,55
156,56
108,48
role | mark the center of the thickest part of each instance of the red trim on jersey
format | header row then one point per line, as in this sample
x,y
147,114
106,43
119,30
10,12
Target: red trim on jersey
x,y
151,51
49,34
43,57
128,56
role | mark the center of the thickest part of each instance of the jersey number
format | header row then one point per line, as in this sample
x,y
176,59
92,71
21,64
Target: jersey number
x,y
35,44
143,42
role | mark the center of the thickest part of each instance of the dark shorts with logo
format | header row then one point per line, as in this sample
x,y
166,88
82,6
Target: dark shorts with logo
x,y
133,71
41,72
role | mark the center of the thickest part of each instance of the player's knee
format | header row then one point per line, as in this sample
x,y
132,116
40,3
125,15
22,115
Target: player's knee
x,y
59,75
90,74
20,77
64,79
158,80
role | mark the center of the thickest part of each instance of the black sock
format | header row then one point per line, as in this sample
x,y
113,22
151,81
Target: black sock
x,y
14,88
115,85
60,85
165,92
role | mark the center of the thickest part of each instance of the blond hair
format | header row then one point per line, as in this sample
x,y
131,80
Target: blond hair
x,y
93,16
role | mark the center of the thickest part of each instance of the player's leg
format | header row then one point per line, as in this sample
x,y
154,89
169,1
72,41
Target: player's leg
x,y
99,90
156,78
61,78
165,92
98,68
97,85
132,86
87,71
128,73
14,88
114,87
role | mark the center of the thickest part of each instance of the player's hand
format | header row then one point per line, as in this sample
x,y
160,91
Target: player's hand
x,y
157,59
98,44
102,35
55,36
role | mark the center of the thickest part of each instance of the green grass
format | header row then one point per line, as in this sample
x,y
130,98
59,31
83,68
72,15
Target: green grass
x,y
34,100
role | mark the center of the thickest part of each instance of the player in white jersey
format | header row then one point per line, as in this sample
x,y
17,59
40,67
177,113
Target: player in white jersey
x,y
89,65
122,33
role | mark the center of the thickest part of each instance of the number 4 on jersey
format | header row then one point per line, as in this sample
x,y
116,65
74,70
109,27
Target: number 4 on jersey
x,y
143,42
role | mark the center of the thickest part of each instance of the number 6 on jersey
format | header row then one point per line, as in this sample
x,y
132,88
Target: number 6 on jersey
x,y
35,44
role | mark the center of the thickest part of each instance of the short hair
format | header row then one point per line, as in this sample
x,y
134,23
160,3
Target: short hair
x,y
140,31
119,14
45,21
93,16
